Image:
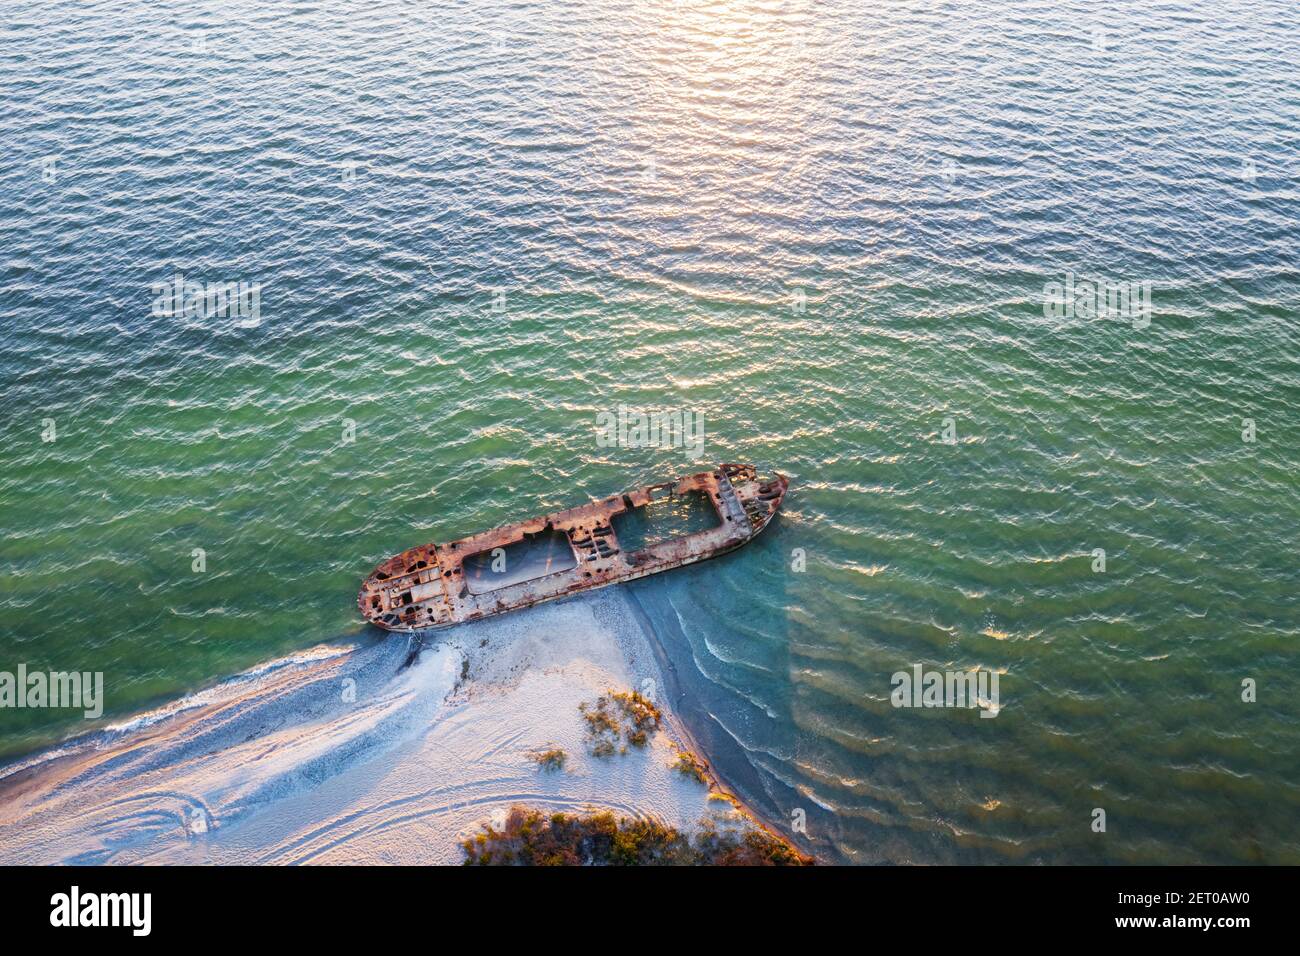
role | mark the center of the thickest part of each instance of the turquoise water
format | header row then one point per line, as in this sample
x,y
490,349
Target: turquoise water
x,y
825,229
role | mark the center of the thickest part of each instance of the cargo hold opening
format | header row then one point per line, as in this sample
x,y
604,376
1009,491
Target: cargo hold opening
x,y
666,517
533,556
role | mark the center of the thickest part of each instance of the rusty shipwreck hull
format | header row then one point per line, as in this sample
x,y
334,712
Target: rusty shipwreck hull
x,y
439,585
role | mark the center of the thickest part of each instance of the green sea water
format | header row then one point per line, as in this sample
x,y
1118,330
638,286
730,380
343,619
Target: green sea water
x,y
824,228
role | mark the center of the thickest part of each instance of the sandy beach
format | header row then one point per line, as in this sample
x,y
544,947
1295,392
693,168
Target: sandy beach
x,y
341,755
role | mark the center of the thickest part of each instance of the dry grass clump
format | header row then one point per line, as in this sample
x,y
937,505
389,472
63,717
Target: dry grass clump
x,y
617,720
552,759
689,765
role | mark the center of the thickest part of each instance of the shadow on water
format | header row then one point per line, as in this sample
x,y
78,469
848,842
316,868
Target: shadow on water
x,y
723,635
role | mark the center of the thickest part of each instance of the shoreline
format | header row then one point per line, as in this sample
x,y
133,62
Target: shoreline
x,y
716,783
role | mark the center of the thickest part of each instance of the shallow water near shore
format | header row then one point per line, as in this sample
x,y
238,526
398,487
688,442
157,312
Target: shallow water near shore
x,y
825,229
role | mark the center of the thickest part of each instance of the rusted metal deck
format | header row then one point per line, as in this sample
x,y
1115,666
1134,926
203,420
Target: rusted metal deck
x,y
438,585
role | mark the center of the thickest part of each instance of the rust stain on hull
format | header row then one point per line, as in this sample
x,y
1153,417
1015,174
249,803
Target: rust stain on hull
x,y
429,586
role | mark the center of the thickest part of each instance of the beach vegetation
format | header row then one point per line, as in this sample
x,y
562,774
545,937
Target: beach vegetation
x,y
689,765
552,759
530,838
617,720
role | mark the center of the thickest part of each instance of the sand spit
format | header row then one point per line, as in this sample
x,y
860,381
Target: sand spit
x,y
343,756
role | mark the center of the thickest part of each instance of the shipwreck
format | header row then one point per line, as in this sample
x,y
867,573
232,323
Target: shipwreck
x,y
627,536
